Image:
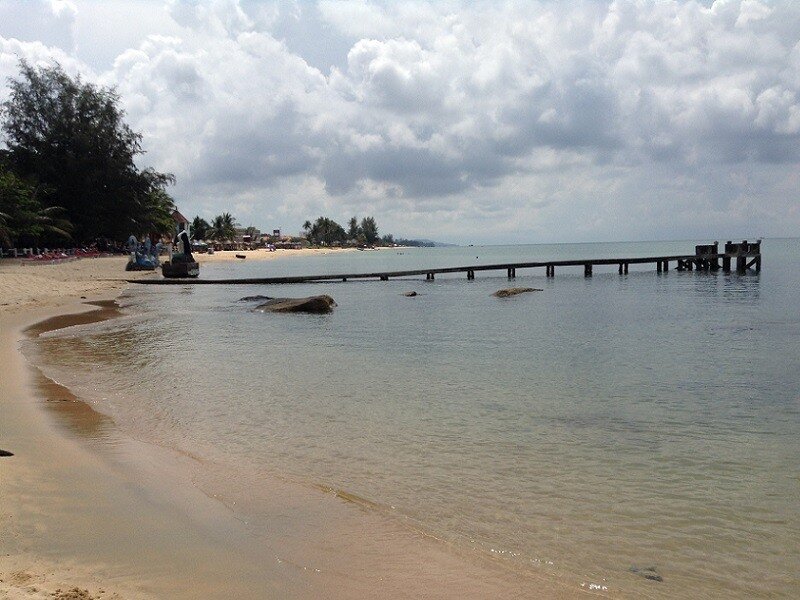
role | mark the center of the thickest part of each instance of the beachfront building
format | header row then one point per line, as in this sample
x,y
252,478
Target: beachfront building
x,y
181,222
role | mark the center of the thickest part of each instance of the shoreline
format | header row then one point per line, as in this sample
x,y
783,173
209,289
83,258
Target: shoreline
x,y
321,543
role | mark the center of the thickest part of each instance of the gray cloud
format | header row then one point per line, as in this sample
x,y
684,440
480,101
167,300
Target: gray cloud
x,y
486,119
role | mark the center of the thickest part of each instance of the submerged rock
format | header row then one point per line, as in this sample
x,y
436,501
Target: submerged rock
x,y
650,573
313,304
514,291
255,298
409,294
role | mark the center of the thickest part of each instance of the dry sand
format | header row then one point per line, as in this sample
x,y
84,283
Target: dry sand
x,y
87,513
262,254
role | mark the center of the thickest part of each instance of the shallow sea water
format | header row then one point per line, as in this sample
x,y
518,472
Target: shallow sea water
x,y
603,429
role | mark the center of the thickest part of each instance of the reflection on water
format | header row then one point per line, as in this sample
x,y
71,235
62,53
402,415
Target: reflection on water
x,y
594,429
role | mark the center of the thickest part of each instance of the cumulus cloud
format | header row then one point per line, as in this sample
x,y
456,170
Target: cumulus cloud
x,y
466,118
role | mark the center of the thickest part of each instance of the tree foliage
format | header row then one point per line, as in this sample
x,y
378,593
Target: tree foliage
x,y
353,230
200,228
23,219
223,228
326,231
369,229
70,137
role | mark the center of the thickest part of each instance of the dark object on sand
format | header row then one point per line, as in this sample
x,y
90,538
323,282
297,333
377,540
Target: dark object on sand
x,y
6,453
180,267
514,291
650,573
242,256
255,298
410,294
183,264
313,304
132,266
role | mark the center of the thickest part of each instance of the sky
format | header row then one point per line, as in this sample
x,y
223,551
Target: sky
x,y
464,122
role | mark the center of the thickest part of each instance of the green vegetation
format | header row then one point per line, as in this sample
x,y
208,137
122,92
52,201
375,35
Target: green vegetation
x,y
200,228
23,218
69,166
222,228
327,232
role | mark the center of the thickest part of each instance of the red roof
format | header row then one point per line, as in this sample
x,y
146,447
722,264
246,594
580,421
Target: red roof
x,y
178,217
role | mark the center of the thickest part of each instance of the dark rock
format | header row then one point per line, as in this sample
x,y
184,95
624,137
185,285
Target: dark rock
x,y
6,453
313,304
514,291
650,573
255,298
410,294
242,256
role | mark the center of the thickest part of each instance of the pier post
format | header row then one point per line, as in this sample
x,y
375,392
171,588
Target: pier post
x,y
626,268
620,268
741,264
344,278
726,264
470,274
758,263
587,270
666,266
384,278
658,266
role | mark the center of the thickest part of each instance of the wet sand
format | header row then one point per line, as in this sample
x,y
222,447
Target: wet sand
x,y
86,512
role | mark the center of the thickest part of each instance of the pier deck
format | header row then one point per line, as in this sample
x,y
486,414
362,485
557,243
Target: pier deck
x,y
706,257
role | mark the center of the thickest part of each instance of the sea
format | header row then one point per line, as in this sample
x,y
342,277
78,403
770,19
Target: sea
x,y
638,432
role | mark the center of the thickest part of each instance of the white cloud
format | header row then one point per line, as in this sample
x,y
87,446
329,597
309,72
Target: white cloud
x,y
486,119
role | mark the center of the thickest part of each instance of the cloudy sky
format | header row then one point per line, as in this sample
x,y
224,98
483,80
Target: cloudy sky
x,y
458,121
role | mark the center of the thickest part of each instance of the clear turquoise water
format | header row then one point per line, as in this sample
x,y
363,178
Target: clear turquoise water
x,y
600,426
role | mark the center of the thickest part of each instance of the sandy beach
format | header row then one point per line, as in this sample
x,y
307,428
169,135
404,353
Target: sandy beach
x,y
90,513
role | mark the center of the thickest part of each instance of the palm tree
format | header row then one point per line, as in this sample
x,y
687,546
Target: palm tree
x,y
49,222
222,228
22,215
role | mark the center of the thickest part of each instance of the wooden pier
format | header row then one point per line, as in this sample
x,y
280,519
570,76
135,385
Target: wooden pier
x,y
706,258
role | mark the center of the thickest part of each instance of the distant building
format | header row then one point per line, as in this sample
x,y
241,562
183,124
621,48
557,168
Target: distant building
x,y
276,233
181,222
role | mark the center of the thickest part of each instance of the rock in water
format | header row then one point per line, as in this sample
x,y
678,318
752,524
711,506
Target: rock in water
x,y
313,304
650,573
514,291
255,298
410,294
